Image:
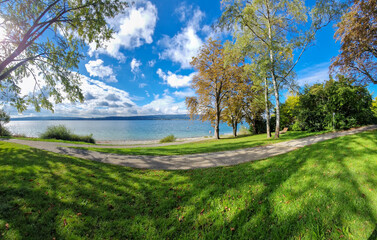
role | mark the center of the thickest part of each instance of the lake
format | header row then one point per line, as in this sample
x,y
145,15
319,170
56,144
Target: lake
x,y
122,129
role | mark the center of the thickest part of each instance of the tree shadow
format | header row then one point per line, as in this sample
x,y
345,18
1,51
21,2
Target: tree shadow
x,y
320,191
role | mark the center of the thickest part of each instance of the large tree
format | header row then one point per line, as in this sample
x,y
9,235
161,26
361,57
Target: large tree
x,y
357,33
43,40
278,29
211,84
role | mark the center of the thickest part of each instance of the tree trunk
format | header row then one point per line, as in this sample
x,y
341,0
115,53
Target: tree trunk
x,y
217,130
234,129
254,124
272,63
267,109
217,123
277,129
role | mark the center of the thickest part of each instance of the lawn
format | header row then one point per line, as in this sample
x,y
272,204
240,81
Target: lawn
x,y
324,191
49,140
213,145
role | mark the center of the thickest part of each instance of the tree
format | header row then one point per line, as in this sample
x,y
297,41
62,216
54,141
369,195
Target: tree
x,y
211,84
338,104
357,33
42,39
374,106
233,112
289,110
277,30
4,119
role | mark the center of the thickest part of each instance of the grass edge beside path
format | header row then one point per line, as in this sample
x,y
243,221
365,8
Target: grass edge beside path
x,y
50,140
206,146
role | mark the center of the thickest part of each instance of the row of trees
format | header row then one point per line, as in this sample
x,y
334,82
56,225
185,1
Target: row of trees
x,y
235,81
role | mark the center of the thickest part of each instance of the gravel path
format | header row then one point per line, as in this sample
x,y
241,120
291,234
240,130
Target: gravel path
x,y
192,161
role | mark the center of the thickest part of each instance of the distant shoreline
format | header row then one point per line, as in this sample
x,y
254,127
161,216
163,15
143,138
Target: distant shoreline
x,y
110,118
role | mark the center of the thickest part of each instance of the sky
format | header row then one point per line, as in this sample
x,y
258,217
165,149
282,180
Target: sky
x,y
145,69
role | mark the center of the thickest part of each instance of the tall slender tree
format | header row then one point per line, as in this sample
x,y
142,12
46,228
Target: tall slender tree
x,y
278,29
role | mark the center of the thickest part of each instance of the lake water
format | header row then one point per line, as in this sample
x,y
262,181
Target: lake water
x,y
122,129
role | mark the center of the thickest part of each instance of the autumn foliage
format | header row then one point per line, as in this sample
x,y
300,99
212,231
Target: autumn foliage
x,y
357,33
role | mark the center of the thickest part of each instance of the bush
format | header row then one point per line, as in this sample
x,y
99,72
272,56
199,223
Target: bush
x,y
167,139
62,133
244,130
296,127
4,132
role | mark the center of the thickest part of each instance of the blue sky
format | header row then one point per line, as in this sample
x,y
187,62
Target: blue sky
x,y
145,68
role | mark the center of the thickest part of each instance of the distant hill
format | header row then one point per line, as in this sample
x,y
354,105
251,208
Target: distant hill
x,y
151,117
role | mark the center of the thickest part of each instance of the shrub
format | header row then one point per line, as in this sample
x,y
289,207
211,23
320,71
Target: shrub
x,y
62,133
244,130
296,127
4,132
167,139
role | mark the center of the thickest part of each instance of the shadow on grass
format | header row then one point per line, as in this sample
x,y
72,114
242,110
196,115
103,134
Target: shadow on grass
x,y
327,190
223,144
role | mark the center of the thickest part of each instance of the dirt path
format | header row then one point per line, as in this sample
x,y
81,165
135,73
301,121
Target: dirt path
x,y
192,161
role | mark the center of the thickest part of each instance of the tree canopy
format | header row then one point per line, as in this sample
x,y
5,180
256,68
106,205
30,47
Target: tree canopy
x,y
357,33
211,83
273,31
42,39
338,104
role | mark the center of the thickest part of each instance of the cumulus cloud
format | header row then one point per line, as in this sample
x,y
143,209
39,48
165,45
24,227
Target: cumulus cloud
x,y
105,100
133,29
135,65
97,69
112,97
186,93
175,80
163,105
183,46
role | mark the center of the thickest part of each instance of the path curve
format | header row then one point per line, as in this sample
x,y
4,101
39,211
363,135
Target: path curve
x,y
191,161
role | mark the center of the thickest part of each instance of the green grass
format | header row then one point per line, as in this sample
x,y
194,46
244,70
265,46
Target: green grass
x,y
213,145
324,191
50,140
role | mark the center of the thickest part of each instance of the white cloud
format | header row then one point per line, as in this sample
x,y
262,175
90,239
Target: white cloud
x,y
142,85
185,45
314,74
175,80
186,93
135,65
104,100
151,63
133,29
97,69
164,105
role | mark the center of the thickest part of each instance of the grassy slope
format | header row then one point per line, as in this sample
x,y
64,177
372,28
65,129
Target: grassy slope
x,y
324,191
212,145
